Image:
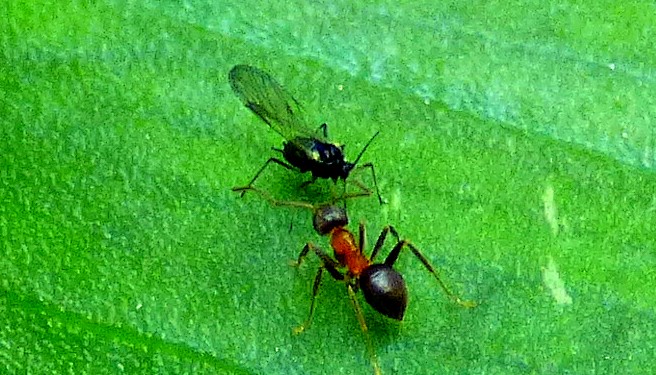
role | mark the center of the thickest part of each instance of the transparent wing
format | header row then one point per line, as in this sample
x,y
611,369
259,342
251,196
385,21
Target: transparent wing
x,y
270,101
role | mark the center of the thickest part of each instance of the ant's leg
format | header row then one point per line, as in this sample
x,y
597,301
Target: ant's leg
x,y
291,226
379,243
364,191
301,256
315,290
276,202
362,240
329,265
270,199
365,330
271,160
325,258
394,254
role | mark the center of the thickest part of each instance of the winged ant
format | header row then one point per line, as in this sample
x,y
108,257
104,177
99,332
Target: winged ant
x,y
304,150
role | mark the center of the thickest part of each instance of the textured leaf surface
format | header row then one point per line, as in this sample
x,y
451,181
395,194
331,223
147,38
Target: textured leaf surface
x,y
516,150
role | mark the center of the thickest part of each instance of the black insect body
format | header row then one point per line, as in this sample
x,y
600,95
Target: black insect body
x,y
323,160
304,150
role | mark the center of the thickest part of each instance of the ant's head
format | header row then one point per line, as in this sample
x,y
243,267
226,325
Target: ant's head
x,y
384,289
327,218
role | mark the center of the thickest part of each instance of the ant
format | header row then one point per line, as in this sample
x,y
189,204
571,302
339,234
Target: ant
x,y
383,287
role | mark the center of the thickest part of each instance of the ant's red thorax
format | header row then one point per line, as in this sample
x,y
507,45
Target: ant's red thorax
x,y
347,252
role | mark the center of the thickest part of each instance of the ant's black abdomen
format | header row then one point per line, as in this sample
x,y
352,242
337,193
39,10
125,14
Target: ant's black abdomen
x,y
324,160
384,289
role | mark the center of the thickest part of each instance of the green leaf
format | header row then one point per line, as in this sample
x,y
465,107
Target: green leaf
x,y
516,151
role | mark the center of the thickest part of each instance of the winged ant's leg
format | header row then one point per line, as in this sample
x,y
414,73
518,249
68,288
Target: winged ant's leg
x,y
373,175
370,166
271,160
324,129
